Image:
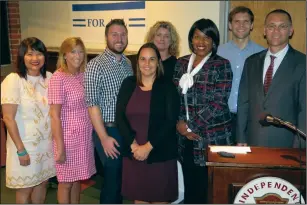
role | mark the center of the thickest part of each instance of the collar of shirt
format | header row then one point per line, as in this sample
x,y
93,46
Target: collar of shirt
x,y
277,61
110,54
280,54
248,45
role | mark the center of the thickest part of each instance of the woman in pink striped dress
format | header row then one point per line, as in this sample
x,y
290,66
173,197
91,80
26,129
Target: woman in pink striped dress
x,y
70,122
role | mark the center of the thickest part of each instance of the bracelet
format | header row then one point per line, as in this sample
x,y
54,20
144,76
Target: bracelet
x,y
23,153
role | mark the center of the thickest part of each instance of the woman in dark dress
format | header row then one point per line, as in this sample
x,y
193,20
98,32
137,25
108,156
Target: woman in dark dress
x,y
164,35
146,114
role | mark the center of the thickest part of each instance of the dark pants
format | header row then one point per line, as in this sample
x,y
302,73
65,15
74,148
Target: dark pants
x,y
53,180
194,177
233,127
112,170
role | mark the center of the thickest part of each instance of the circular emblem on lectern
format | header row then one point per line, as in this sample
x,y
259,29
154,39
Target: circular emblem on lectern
x,y
269,190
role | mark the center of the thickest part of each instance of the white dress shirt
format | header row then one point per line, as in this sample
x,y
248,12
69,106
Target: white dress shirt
x,y
277,61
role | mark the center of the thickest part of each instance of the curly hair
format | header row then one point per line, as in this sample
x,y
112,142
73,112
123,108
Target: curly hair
x,y
175,39
67,46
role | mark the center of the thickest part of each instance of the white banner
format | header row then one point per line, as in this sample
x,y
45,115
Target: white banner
x,y
88,20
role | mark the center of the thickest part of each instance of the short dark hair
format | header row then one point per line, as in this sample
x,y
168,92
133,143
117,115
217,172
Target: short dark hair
x,y
209,28
119,22
240,9
34,44
159,71
279,11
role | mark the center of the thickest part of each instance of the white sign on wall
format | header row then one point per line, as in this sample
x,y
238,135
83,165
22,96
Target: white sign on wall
x,y
89,19
52,21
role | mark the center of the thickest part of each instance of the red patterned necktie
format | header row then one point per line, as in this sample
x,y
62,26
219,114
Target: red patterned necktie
x,y
268,75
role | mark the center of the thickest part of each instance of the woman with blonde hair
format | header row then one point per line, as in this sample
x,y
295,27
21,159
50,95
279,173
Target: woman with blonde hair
x,y
165,36
70,122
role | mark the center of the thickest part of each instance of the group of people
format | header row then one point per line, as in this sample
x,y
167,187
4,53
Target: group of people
x,y
141,123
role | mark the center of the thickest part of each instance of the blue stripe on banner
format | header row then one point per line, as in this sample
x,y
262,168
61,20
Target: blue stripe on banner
x,y
78,25
109,6
78,19
136,19
136,25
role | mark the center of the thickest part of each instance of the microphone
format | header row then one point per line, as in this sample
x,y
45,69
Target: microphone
x,y
267,120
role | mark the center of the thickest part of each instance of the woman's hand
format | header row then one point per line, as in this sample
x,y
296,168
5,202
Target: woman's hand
x,y
134,146
24,160
141,152
60,156
192,136
182,129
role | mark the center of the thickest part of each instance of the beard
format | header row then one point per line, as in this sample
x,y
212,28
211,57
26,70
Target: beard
x,y
111,48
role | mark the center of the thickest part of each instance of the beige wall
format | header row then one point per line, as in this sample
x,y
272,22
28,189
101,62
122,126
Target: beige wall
x,y
51,21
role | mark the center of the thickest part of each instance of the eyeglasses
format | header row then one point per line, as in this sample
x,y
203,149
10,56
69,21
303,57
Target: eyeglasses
x,y
281,27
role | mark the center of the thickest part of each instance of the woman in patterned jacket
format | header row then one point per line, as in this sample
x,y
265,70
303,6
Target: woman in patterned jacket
x,y
204,82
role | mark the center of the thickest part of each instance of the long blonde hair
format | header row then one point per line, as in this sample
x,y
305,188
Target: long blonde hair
x,y
175,39
67,46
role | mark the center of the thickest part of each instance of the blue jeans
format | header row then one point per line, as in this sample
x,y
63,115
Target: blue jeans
x,y
112,170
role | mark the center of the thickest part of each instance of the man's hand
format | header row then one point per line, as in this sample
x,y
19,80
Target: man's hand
x,y
182,129
108,144
141,152
242,144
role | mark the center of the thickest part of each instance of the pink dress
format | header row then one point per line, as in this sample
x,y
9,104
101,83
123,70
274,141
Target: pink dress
x,y
68,90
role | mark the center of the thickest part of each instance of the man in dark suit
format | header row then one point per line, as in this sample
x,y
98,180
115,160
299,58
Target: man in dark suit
x,y
274,82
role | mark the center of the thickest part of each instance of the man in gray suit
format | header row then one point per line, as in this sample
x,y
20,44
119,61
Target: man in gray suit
x,y
274,82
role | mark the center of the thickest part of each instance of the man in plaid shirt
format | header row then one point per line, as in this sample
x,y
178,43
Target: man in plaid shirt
x,y
103,77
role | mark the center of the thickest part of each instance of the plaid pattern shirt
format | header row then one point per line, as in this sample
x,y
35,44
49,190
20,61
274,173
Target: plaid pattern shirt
x,y
207,99
103,78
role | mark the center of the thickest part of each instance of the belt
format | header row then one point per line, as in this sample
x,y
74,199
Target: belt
x,y
110,124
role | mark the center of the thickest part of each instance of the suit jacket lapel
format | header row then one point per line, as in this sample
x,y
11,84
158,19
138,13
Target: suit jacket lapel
x,y
281,73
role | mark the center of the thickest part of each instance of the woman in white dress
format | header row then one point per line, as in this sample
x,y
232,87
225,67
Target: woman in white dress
x,y
25,109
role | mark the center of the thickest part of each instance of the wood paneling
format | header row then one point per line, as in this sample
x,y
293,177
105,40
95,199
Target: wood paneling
x,y
297,10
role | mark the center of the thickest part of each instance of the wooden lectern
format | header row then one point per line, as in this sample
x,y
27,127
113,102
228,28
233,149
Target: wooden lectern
x,y
226,176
